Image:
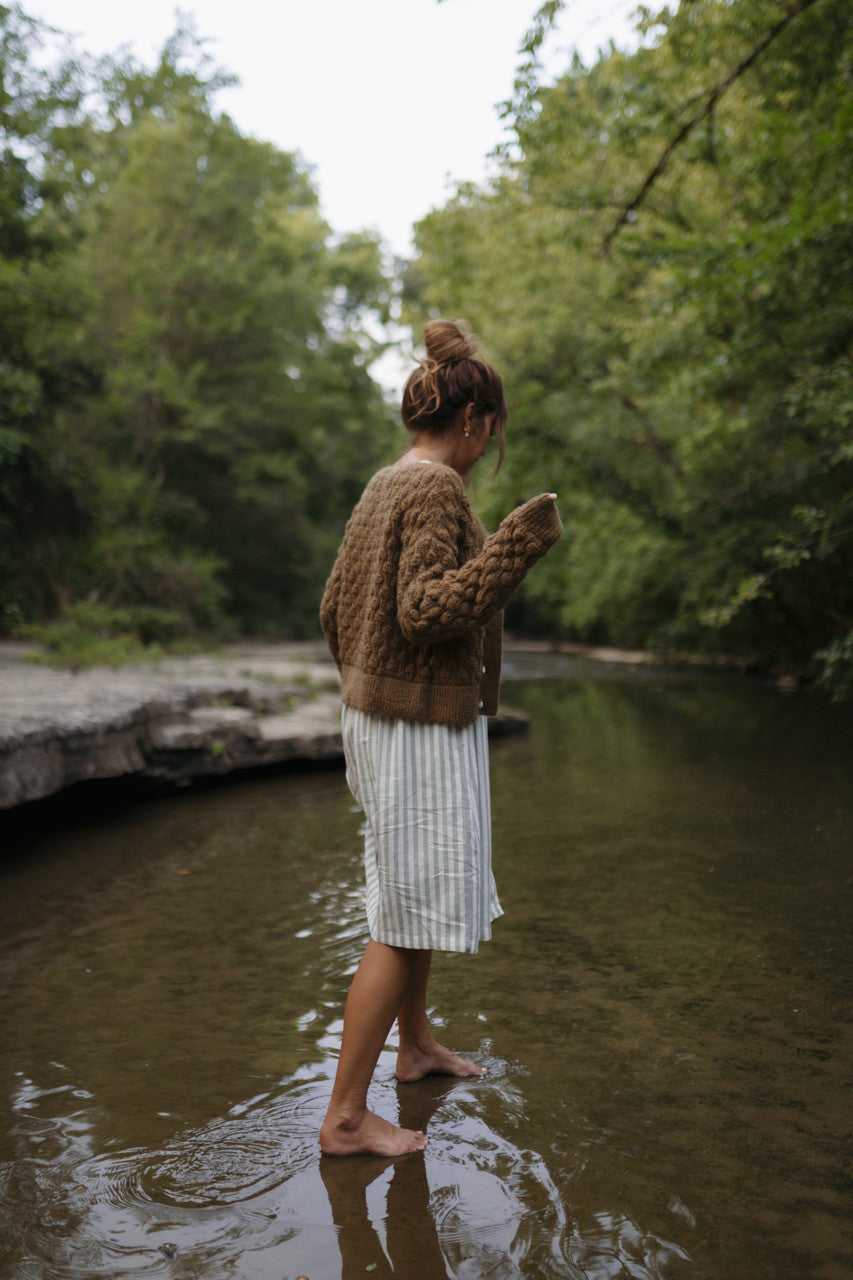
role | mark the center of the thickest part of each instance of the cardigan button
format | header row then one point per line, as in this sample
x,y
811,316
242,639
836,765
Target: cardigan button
x,y
484,670
481,702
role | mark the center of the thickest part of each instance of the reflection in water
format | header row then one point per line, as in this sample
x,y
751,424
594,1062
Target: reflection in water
x,y
244,1194
662,1014
411,1236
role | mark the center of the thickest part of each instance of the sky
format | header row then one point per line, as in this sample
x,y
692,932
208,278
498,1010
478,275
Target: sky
x,y
389,102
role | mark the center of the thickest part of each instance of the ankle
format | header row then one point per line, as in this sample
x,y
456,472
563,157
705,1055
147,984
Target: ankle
x,y
419,1046
345,1117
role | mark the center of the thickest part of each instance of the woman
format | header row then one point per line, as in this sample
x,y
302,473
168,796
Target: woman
x,y
412,614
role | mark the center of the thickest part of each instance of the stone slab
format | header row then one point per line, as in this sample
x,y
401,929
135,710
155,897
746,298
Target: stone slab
x,y
181,719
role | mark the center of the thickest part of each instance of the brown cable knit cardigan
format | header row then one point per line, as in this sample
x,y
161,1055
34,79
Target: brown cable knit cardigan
x,y
412,612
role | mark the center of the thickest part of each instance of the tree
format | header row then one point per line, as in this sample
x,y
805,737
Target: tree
x,y
685,384
229,412
39,511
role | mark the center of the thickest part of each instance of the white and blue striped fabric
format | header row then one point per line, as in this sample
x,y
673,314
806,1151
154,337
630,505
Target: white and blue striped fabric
x,y
424,789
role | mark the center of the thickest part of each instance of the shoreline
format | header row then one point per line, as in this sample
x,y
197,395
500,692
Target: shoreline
x,y
172,721
182,720
179,721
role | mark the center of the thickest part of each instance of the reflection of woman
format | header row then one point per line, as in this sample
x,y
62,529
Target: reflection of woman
x,y
411,1235
412,616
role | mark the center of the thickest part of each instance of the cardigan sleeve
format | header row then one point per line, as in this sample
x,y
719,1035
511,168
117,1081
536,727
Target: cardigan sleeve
x,y
439,599
329,613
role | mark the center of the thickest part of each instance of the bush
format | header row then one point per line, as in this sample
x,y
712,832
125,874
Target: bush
x,y
91,634
836,675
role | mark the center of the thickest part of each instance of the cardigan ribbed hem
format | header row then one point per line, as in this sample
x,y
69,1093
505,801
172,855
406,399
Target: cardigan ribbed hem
x,y
450,704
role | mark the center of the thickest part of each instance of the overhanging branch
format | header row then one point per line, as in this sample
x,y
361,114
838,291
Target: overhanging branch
x,y
704,111
28,292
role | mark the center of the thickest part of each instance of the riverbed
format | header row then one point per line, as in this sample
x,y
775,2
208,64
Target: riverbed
x,y
663,1010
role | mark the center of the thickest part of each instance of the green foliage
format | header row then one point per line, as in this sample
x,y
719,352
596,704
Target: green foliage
x,y
679,361
663,270
836,674
90,634
39,511
186,410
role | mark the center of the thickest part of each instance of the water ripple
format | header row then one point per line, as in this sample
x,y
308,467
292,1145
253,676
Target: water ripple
x,y
213,1191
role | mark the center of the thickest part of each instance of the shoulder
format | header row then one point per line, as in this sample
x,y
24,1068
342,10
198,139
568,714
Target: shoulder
x,y
406,476
418,484
402,499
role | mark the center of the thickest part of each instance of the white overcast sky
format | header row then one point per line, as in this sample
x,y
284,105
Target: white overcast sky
x,y
387,101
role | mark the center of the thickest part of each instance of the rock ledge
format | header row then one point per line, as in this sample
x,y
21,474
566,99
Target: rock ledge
x,y
175,721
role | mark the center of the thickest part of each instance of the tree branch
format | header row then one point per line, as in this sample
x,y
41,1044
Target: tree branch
x,y
705,110
650,438
69,311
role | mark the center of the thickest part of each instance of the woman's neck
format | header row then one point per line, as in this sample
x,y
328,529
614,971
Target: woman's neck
x,y
445,449
433,452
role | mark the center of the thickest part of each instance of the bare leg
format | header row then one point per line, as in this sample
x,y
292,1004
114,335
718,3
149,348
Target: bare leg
x,y
374,997
419,1053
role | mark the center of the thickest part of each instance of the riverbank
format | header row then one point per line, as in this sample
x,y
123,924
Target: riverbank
x,y
172,721
176,721
181,719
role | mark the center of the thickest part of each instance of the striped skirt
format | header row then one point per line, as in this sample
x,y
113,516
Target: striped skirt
x,y
424,789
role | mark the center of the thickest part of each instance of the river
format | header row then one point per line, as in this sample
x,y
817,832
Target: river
x,y
664,1012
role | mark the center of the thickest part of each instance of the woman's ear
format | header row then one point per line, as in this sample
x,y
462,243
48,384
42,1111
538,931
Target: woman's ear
x,y
469,418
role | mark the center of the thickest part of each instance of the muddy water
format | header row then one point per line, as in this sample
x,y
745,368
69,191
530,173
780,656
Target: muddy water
x,y
662,1011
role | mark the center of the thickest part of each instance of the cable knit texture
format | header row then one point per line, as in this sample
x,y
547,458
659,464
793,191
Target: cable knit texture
x,y
413,610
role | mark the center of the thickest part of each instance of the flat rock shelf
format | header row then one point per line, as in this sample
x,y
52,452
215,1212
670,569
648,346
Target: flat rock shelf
x,y
174,721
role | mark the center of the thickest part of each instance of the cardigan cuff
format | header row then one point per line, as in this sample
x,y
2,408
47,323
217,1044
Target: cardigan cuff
x,y
540,518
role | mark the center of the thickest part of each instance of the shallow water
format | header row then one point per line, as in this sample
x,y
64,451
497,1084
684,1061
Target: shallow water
x,y
663,1011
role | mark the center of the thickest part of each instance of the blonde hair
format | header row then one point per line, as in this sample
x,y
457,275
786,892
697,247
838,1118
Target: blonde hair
x,y
451,376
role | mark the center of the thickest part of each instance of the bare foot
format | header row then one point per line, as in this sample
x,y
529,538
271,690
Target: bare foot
x,y
371,1135
414,1063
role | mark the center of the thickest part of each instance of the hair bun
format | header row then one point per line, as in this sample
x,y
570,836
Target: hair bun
x,y
450,378
447,344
